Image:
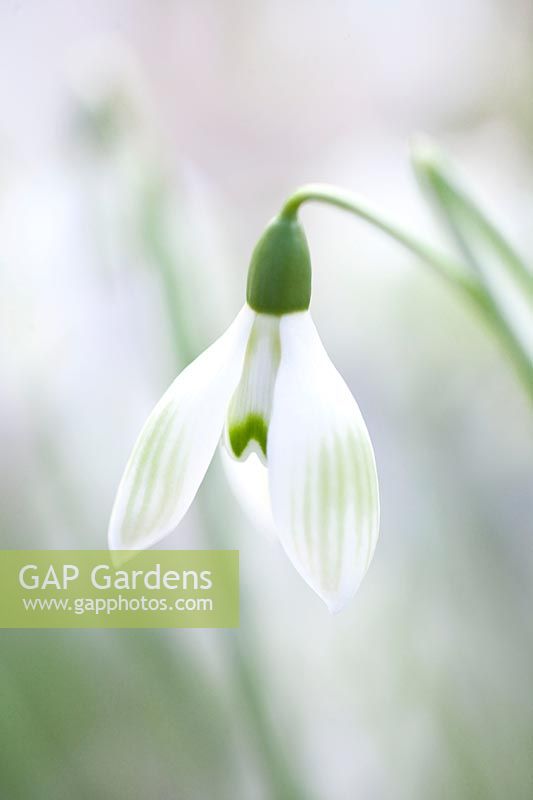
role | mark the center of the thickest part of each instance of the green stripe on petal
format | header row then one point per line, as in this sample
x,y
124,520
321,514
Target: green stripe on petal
x,y
322,473
177,443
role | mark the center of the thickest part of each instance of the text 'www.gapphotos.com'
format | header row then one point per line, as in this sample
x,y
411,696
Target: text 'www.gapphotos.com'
x,y
112,605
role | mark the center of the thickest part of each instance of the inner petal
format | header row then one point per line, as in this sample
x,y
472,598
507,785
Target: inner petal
x,y
251,405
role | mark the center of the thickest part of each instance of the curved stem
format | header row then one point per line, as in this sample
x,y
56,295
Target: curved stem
x,y
444,266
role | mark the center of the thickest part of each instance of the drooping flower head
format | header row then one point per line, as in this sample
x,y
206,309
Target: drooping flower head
x,y
266,386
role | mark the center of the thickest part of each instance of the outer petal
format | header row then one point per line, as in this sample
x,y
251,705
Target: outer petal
x,y
176,445
323,480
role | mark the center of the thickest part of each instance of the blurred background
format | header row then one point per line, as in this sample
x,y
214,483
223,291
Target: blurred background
x,y
143,148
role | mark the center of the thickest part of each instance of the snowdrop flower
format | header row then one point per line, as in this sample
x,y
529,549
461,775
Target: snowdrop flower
x,y
266,386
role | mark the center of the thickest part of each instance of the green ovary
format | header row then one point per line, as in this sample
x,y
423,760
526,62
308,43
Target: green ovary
x,y
252,428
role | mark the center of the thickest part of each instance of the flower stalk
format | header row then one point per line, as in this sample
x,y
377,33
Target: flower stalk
x,y
467,282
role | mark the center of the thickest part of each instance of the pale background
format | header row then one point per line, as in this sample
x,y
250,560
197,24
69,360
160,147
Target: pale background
x,y
145,145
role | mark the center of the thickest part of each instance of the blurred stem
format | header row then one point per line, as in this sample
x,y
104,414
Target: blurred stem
x,y
153,228
431,170
465,220
519,356
284,783
443,266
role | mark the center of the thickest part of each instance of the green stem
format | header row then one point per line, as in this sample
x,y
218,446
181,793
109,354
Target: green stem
x,y
430,168
443,266
153,207
489,302
490,311
465,221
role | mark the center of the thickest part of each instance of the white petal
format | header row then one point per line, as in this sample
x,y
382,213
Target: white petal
x,y
177,442
323,479
249,482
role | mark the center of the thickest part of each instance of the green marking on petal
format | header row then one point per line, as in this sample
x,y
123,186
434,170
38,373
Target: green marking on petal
x,y
145,443
174,477
324,492
363,463
342,503
241,434
251,405
146,454
357,458
307,510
